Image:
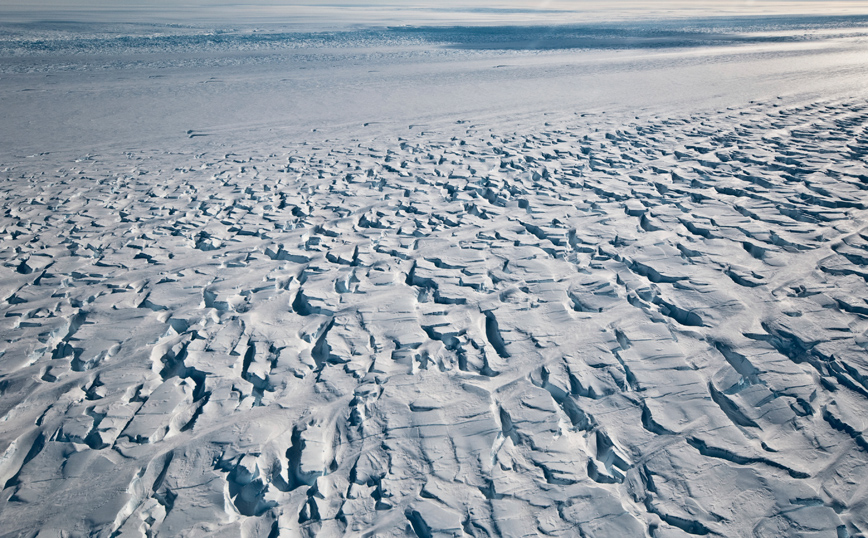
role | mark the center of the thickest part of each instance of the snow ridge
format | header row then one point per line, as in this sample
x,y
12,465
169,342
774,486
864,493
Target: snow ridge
x,y
597,328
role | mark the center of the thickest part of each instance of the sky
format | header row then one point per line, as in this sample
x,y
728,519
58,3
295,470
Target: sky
x,y
342,12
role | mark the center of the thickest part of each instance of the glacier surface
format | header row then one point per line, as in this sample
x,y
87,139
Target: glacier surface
x,y
584,280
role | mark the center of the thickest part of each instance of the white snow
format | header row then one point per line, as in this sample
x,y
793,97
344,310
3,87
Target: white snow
x,y
596,279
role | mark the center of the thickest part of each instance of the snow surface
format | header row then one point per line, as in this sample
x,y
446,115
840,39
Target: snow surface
x,y
584,280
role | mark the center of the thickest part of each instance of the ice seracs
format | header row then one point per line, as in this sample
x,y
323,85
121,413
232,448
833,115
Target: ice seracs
x,y
637,338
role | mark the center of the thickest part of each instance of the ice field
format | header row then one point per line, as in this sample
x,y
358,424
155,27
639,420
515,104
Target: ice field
x,y
598,279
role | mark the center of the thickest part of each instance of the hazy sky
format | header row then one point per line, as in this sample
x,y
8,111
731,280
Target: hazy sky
x,y
337,12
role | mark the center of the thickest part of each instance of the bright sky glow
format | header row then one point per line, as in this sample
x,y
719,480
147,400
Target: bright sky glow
x,y
338,13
